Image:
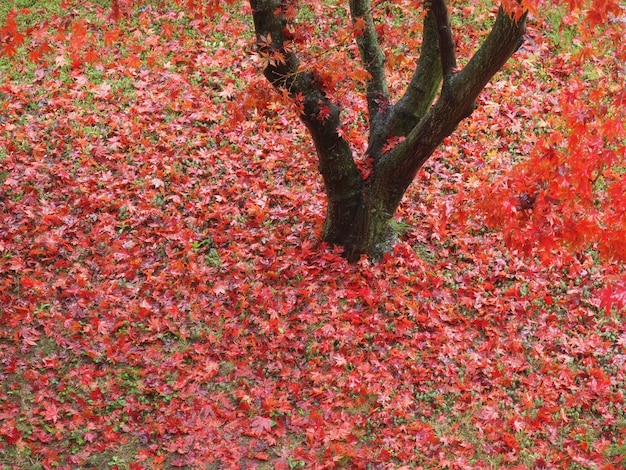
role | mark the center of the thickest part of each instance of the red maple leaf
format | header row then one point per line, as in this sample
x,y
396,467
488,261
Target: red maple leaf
x,y
260,424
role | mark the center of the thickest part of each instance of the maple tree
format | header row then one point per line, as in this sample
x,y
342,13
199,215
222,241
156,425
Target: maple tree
x,y
402,134
362,206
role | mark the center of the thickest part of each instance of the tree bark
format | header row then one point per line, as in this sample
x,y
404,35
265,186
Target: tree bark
x,y
360,210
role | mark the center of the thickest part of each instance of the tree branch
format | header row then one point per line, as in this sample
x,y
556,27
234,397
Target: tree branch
x,y
342,178
424,85
446,41
373,59
505,38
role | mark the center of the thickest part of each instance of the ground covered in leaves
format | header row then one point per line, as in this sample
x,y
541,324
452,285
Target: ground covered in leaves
x,y
165,301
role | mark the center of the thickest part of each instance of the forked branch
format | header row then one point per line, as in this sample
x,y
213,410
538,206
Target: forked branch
x,y
398,168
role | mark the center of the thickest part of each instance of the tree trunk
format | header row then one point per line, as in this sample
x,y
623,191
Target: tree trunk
x,y
360,211
367,229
